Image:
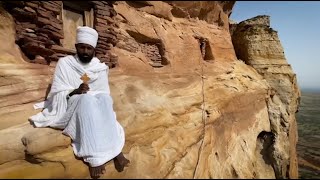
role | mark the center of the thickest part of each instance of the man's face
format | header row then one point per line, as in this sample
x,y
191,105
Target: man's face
x,y
85,52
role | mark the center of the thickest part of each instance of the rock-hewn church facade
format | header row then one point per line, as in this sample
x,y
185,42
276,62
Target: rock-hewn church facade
x,y
45,30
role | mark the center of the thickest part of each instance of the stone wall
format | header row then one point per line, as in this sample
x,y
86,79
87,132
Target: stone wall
x,y
39,30
152,52
104,24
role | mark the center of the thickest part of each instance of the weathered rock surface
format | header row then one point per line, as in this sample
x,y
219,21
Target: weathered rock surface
x,y
178,42
165,131
21,86
189,108
212,12
10,52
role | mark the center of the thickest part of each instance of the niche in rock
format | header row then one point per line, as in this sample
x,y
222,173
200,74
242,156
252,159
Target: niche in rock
x,y
205,49
265,147
152,48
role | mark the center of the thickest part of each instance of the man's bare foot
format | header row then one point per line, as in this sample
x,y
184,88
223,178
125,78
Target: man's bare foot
x,y
96,172
120,162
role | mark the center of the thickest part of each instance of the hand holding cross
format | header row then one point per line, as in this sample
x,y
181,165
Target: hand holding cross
x,y
83,88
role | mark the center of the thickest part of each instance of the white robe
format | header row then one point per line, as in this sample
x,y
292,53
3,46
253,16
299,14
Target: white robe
x,y
89,118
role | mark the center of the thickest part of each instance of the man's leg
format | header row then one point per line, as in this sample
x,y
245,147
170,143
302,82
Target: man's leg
x,y
119,161
85,129
92,105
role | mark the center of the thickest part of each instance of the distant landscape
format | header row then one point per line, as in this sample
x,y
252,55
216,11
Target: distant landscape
x,y
308,146
310,90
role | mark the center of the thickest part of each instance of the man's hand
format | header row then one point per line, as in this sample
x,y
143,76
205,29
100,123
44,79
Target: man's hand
x,y
83,89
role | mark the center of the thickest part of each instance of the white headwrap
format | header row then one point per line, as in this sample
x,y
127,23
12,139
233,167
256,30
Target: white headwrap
x,y
87,35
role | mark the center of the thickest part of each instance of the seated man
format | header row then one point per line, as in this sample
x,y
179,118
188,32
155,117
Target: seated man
x,y
84,110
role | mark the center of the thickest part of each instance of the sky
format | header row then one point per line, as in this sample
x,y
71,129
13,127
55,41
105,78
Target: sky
x,y
298,26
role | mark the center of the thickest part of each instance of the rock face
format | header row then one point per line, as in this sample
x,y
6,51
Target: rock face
x,y
259,46
212,12
189,107
10,52
175,45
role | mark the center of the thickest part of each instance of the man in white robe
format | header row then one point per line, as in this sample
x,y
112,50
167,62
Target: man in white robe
x,y
84,110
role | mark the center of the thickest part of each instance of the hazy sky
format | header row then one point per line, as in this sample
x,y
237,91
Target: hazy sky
x,y
298,26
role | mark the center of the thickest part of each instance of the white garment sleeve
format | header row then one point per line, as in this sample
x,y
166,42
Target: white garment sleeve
x,y
56,103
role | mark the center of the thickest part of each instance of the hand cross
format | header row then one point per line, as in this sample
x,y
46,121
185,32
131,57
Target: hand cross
x,y
85,78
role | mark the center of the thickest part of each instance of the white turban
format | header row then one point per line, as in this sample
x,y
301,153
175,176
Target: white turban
x,y
87,35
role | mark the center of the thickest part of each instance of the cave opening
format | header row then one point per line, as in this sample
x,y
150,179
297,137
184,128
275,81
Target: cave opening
x,y
205,49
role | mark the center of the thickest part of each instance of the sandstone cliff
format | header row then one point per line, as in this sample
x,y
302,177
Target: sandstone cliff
x,y
259,46
189,107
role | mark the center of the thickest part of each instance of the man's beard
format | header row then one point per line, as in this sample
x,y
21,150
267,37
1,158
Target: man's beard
x,y
85,58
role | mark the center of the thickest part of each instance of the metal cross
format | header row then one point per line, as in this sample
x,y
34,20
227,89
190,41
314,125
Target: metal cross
x,y
85,78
